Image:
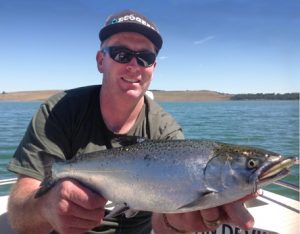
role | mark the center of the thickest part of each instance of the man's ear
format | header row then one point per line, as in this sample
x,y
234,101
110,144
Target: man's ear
x,y
99,59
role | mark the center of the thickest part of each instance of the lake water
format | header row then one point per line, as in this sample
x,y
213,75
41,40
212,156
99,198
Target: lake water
x,y
273,125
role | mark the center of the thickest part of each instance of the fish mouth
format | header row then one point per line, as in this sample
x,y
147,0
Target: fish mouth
x,y
276,170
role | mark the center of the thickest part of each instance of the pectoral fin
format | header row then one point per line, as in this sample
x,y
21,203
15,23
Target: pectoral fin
x,y
202,198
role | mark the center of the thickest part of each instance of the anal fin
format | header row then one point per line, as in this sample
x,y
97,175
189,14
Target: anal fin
x,y
121,208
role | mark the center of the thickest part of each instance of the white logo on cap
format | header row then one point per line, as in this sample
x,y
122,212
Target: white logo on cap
x,y
131,17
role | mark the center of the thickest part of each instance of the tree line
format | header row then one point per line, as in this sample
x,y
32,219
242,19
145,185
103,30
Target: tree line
x,y
266,96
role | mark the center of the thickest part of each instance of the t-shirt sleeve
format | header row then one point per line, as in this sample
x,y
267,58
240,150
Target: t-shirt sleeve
x,y
163,125
40,143
169,129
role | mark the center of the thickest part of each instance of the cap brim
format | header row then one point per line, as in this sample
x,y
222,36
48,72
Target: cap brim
x,y
148,32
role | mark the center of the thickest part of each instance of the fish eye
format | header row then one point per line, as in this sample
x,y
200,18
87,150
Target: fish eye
x,y
252,163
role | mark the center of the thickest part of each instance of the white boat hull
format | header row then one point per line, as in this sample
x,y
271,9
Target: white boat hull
x,y
273,214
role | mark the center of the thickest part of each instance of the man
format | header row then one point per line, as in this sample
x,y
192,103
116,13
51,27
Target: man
x,y
88,119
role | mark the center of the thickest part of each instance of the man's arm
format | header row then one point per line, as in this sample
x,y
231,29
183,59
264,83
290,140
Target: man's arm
x,y
24,211
67,208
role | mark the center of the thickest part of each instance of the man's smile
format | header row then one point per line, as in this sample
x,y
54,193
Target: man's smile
x,y
130,80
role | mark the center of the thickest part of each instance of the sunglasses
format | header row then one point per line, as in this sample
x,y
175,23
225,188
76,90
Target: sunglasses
x,y
122,54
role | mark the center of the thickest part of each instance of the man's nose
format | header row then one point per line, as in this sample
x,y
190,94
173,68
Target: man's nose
x,y
133,64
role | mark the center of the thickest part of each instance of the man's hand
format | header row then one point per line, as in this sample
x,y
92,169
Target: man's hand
x,y
234,213
71,208
68,207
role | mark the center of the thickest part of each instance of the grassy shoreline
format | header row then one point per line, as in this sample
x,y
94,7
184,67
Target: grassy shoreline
x,y
158,94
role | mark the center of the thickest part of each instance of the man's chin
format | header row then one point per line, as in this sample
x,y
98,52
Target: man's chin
x,y
134,94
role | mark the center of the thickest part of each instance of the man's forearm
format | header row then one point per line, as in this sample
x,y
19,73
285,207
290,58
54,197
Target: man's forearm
x,y
24,212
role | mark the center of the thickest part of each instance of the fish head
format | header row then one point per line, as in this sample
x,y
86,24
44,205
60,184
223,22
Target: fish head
x,y
240,169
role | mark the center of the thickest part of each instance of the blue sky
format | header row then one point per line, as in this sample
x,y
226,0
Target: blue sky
x,y
230,46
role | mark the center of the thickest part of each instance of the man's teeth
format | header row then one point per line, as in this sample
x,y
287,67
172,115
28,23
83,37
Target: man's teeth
x,y
130,80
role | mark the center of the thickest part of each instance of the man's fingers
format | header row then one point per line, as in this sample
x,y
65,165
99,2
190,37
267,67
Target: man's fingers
x,y
210,214
251,196
211,218
79,212
239,215
81,195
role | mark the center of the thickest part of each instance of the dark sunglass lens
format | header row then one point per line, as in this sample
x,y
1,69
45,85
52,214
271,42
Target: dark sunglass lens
x,y
120,54
146,59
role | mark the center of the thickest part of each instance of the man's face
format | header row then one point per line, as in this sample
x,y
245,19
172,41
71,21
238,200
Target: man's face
x,y
126,79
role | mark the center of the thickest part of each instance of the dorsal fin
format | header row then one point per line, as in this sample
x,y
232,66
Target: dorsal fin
x,y
122,140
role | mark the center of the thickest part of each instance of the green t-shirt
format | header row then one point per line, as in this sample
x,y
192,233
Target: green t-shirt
x,y
70,123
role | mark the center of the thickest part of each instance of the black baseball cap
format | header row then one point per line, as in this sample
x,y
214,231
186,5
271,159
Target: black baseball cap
x,y
131,21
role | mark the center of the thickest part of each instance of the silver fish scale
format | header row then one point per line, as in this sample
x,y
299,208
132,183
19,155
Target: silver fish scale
x,y
151,149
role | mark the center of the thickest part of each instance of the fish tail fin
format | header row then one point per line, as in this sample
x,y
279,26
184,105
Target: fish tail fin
x,y
48,181
45,186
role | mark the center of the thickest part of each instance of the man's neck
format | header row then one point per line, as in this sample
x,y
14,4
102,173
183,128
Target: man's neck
x,y
119,114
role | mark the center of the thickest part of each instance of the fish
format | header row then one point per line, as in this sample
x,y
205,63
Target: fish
x,y
170,176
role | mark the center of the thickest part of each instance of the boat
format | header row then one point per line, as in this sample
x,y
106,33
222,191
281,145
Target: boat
x,y
273,213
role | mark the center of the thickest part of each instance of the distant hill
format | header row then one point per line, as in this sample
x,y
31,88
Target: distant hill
x,y
160,95
27,95
193,96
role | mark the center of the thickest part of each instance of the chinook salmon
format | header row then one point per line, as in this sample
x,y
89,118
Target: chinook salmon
x,y
172,176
